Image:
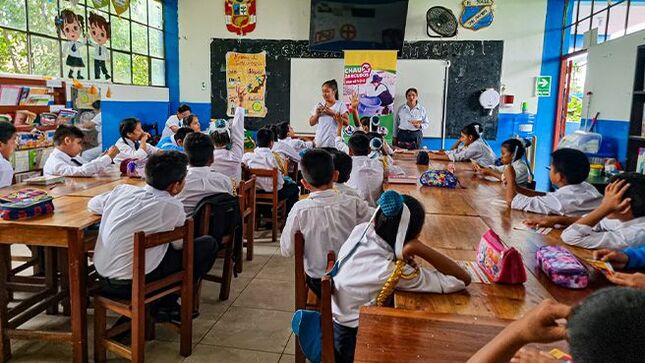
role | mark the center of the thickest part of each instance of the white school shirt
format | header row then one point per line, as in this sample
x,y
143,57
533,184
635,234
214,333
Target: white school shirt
x,y
201,182
263,158
608,233
340,145
325,219
74,53
173,120
477,150
59,163
326,127
298,144
100,52
6,172
226,161
125,210
367,178
127,150
363,274
405,114
347,190
522,172
570,200
286,151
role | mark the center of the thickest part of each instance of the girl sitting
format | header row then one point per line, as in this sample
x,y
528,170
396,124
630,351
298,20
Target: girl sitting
x,y
474,148
513,152
133,143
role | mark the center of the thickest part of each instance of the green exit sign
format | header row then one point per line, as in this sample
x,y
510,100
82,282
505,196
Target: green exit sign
x,y
543,86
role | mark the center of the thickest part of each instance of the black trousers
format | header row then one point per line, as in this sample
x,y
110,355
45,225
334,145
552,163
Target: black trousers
x,y
344,343
205,252
99,66
314,285
290,192
409,139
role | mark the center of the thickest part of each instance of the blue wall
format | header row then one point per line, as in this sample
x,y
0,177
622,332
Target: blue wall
x,y
115,111
171,42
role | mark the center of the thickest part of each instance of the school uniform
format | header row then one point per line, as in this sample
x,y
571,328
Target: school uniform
x,y
522,172
201,182
361,278
95,152
129,149
173,120
570,200
128,209
367,178
608,233
6,172
298,144
61,164
286,151
345,189
326,127
74,56
169,143
226,161
477,150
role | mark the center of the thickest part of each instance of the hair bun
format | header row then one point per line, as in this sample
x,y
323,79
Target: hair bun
x,y
376,144
391,203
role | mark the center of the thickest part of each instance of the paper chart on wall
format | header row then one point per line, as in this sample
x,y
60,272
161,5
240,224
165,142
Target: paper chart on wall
x,y
249,72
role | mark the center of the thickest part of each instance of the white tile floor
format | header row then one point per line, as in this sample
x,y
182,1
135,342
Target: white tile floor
x,y
253,325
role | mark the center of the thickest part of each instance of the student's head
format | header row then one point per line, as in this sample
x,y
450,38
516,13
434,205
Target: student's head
x,y
68,139
96,106
342,164
183,111
608,326
199,149
512,149
167,171
387,226
330,90
318,170
411,95
180,135
264,137
221,135
284,130
274,130
636,193
7,139
568,166
359,144
470,133
130,128
191,121
100,29
365,123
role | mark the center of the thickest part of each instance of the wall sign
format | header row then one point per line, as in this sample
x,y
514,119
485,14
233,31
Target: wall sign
x,y
240,16
543,86
477,14
248,71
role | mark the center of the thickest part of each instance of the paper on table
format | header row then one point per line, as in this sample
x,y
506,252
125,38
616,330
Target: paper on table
x,y
475,271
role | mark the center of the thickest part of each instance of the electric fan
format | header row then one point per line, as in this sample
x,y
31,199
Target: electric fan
x,y
442,22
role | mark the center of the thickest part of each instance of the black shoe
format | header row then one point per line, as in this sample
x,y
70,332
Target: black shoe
x,y
168,312
125,337
78,75
107,77
70,74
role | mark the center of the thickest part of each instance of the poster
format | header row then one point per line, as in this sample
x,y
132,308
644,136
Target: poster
x,y
371,76
248,71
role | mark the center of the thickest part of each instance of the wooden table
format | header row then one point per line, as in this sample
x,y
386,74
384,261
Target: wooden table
x,y
100,189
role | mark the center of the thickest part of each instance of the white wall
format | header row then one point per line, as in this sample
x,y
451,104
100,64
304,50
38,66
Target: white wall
x,y
610,76
519,23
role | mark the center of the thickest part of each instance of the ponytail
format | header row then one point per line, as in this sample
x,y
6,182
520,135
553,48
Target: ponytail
x,y
476,130
333,85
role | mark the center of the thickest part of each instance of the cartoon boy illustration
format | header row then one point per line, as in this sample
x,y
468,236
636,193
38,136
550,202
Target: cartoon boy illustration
x,y
100,31
72,27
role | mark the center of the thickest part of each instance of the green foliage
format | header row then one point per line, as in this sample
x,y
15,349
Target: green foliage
x,y
140,70
574,109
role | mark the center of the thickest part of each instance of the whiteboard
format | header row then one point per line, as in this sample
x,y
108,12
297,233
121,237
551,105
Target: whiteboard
x,y
307,76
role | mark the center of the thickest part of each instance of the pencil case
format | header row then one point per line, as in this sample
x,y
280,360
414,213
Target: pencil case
x,y
562,267
27,208
438,178
500,263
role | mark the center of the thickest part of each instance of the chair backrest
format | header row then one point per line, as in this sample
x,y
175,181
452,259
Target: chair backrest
x,y
292,168
267,173
246,172
326,322
246,194
301,282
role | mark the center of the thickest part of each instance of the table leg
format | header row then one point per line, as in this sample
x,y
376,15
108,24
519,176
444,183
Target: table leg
x,y
77,294
5,343
51,275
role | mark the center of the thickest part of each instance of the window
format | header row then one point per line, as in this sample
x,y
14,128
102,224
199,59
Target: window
x,y
31,43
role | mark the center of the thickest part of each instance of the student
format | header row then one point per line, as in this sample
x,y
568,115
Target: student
x,y
7,147
608,326
281,146
229,142
474,148
290,138
343,165
513,152
618,222
192,122
94,123
65,159
263,158
325,218
128,209
631,258
172,124
133,143
458,145
201,180
327,114
367,263
176,141
367,174
574,196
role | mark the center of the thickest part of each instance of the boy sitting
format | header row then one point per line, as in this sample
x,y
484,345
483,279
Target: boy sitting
x,y
367,174
573,195
176,141
325,219
618,222
7,147
342,165
65,160
263,158
128,209
201,180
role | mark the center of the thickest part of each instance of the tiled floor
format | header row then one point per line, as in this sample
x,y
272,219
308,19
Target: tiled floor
x,y
253,325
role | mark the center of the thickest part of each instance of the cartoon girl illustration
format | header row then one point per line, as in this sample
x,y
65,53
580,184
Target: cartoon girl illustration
x,y
100,32
72,27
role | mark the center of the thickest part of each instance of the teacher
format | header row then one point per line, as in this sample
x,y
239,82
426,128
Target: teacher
x,y
411,118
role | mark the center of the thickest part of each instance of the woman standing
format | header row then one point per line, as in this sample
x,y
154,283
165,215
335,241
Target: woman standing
x,y
327,115
411,118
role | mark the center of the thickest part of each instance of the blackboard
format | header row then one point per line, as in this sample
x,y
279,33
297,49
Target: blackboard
x,y
475,66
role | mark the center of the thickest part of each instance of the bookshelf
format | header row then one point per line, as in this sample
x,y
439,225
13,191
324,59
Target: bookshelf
x,y
636,137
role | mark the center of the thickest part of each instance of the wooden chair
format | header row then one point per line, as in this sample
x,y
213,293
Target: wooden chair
x,y
246,193
144,293
271,199
326,322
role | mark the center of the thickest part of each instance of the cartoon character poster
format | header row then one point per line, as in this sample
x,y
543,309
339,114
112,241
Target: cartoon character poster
x,y
248,71
240,16
100,32
72,28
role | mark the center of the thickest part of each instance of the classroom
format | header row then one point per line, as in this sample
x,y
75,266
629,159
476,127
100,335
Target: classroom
x,y
322,181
